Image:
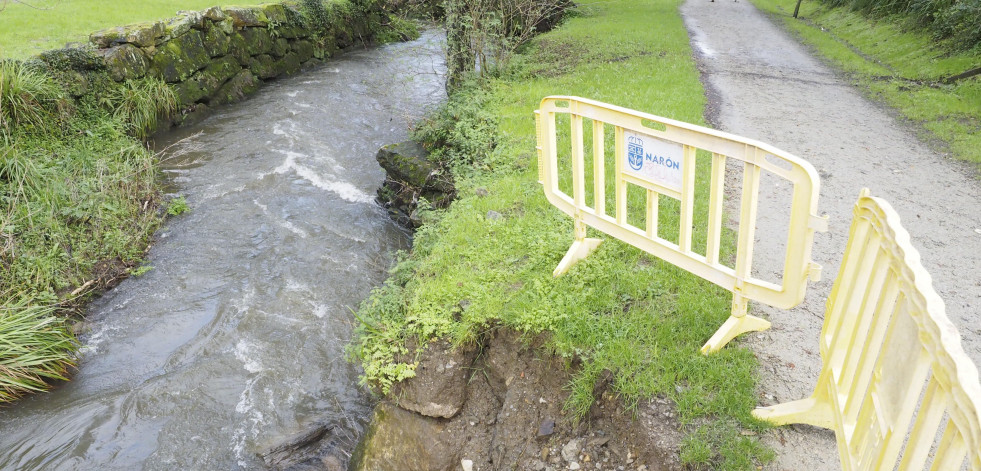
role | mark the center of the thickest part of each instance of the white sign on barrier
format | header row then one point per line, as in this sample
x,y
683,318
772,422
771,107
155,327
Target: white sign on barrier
x,y
653,159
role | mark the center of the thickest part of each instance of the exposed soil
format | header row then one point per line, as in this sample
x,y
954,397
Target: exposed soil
x,y
504,401
765,86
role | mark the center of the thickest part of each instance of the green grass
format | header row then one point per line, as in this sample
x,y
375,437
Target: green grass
x,y
36,347
897,65
620,309
139,104
35,26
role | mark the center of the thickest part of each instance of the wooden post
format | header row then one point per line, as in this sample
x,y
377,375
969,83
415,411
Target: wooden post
x,y
797,8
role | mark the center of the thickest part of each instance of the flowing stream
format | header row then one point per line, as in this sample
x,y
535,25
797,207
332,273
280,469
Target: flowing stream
x,y
236,337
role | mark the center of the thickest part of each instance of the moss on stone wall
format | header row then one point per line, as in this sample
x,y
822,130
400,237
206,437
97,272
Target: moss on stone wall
x,y
220,55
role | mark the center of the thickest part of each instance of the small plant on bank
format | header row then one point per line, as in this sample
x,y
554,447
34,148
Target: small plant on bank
x,y
178,206
139,104
35,347
25,95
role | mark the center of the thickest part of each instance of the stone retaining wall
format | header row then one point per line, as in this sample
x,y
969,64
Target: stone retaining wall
x,y
220,55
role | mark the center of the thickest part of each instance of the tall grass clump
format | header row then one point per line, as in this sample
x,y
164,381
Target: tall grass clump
x,y
36,347
25,96
139,104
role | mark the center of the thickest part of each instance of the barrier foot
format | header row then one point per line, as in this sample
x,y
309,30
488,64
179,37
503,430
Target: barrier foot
x,y
804,411
733,327
580,249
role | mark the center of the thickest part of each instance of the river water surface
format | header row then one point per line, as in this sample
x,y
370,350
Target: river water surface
x,y
236,337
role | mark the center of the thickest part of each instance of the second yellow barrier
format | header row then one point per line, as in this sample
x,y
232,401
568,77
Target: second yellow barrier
x,y
895,384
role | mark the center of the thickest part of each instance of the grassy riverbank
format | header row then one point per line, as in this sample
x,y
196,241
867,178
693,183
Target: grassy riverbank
x,y
487,260
77,206
901,66
30,27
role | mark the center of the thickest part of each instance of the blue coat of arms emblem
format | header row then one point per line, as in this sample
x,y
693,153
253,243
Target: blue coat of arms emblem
x,y
635,152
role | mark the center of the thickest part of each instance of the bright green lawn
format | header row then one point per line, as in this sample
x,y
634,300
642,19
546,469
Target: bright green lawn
x,y
620,309
899,65
50,24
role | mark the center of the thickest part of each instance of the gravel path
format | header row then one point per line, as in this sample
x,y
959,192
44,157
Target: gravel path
x,y
765,86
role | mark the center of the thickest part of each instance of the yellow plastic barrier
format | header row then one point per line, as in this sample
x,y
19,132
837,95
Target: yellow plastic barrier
x,y
659,155
894,372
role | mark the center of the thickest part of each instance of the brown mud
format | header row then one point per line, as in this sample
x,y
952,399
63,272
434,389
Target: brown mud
x,y
499,405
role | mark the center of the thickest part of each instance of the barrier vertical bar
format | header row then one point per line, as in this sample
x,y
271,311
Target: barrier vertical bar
x,y
538,147
687,199
889,453
716,198
739,321
621,186
747,215
599,168
653,213
578,162
846,331
581,245
868,337
951,451
835,318
927,420
550,152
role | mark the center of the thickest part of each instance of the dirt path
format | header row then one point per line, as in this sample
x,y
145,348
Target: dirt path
x,y
765,86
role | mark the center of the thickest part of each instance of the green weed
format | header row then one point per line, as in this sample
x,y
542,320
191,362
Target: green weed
x,y
177,206
397,29
957,22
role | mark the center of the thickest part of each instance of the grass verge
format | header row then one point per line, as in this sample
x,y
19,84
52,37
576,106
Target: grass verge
x,y
33,26
619,310
900,66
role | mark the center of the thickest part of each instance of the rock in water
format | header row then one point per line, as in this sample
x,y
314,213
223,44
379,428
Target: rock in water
x,y
410,176
296,448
